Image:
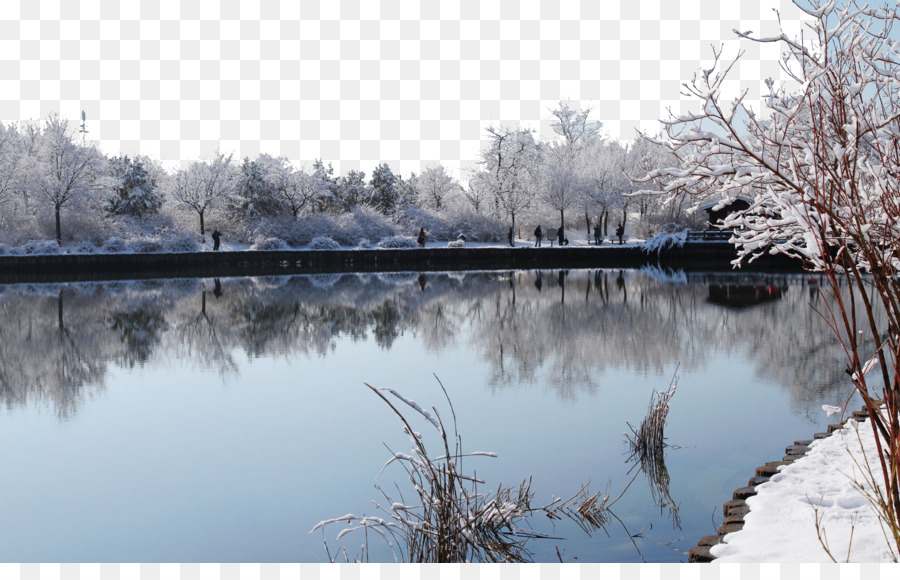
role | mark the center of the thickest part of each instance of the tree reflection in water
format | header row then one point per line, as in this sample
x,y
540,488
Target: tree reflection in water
x,y
59,339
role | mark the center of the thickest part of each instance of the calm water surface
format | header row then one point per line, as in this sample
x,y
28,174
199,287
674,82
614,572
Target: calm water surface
x,y
219,421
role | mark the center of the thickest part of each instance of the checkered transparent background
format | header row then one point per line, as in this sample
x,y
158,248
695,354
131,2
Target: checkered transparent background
x,y
450,571
358,82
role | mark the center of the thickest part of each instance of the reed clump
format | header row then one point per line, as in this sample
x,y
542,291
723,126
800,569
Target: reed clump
x,y
450,519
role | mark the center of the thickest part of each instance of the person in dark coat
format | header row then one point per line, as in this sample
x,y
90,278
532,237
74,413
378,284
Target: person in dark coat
x,y
217,237
598,235
538,236
562,237
620,232
421,239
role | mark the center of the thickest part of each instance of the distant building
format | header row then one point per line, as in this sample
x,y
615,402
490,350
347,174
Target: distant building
x,y
716,216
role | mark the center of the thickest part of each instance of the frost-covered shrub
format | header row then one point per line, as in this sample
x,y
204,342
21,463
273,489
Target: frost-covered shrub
x,y
323,243
39,247
85,247
436,226
300,232
263,244
664,240
364,244
4,249
183,243
115,245
396,242
460,243
362,222
146,245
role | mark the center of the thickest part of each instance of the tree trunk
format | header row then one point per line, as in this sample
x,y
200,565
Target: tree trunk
x,y
58,229
202,230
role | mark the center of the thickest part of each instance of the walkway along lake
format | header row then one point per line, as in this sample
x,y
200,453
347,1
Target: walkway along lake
x,y
220,419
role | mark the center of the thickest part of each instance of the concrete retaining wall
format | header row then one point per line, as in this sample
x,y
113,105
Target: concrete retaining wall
x,y
699,256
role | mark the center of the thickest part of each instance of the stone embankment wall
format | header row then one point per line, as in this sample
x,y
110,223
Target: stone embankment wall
x,y
697,257
735,509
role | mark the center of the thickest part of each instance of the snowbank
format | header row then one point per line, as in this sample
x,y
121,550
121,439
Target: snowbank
x,y
781,525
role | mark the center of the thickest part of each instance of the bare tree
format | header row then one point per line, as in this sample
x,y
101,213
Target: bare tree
x,y
204,185
62,172
574,126
823,170
511,162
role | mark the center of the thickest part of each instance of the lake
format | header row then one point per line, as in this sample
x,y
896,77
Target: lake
x,y
219,420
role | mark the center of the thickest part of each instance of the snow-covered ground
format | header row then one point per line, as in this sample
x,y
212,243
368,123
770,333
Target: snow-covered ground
x,y
50,247
781,525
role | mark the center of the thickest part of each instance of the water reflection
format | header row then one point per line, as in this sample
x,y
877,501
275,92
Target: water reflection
x,y
59,340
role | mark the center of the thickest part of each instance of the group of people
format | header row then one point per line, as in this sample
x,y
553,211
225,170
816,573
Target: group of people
x,y
563,241
560,234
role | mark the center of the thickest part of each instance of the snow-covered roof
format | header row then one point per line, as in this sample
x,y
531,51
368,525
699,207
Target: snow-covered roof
x,y
711,204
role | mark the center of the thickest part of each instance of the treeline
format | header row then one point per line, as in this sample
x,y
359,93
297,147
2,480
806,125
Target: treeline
x,y
57,190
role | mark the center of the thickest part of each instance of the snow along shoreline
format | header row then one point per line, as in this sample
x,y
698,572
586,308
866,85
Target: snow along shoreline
x,y
780,526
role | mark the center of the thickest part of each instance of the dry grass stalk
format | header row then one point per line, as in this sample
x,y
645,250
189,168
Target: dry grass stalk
x,y
451,519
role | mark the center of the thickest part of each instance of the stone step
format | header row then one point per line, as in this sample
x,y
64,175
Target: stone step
x,y
710,540
769,469
730,528
733,504
757,479
745,492
796,449
804,442
699,555
734,519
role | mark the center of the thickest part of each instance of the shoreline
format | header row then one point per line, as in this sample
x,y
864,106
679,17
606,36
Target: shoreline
x,y
693,256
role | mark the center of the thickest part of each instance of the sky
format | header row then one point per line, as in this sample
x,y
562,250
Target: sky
x,y
356,83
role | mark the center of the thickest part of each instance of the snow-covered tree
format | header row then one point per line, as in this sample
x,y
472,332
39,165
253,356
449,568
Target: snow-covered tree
x,y
562,185
434,187
204,185
383,186
255,195
603,165
573,125
351,191
821,164
135,191
62,172
510,164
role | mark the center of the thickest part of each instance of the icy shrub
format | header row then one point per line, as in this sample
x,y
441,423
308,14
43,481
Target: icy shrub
x,y
263,244
323,243
4,250
183,243
115,245
40,247
364,244
459,243
397,242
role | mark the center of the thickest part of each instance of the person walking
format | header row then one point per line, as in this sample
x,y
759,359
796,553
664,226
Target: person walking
x,y
562,237
598,235
217,237
421,239
538,235
620,232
